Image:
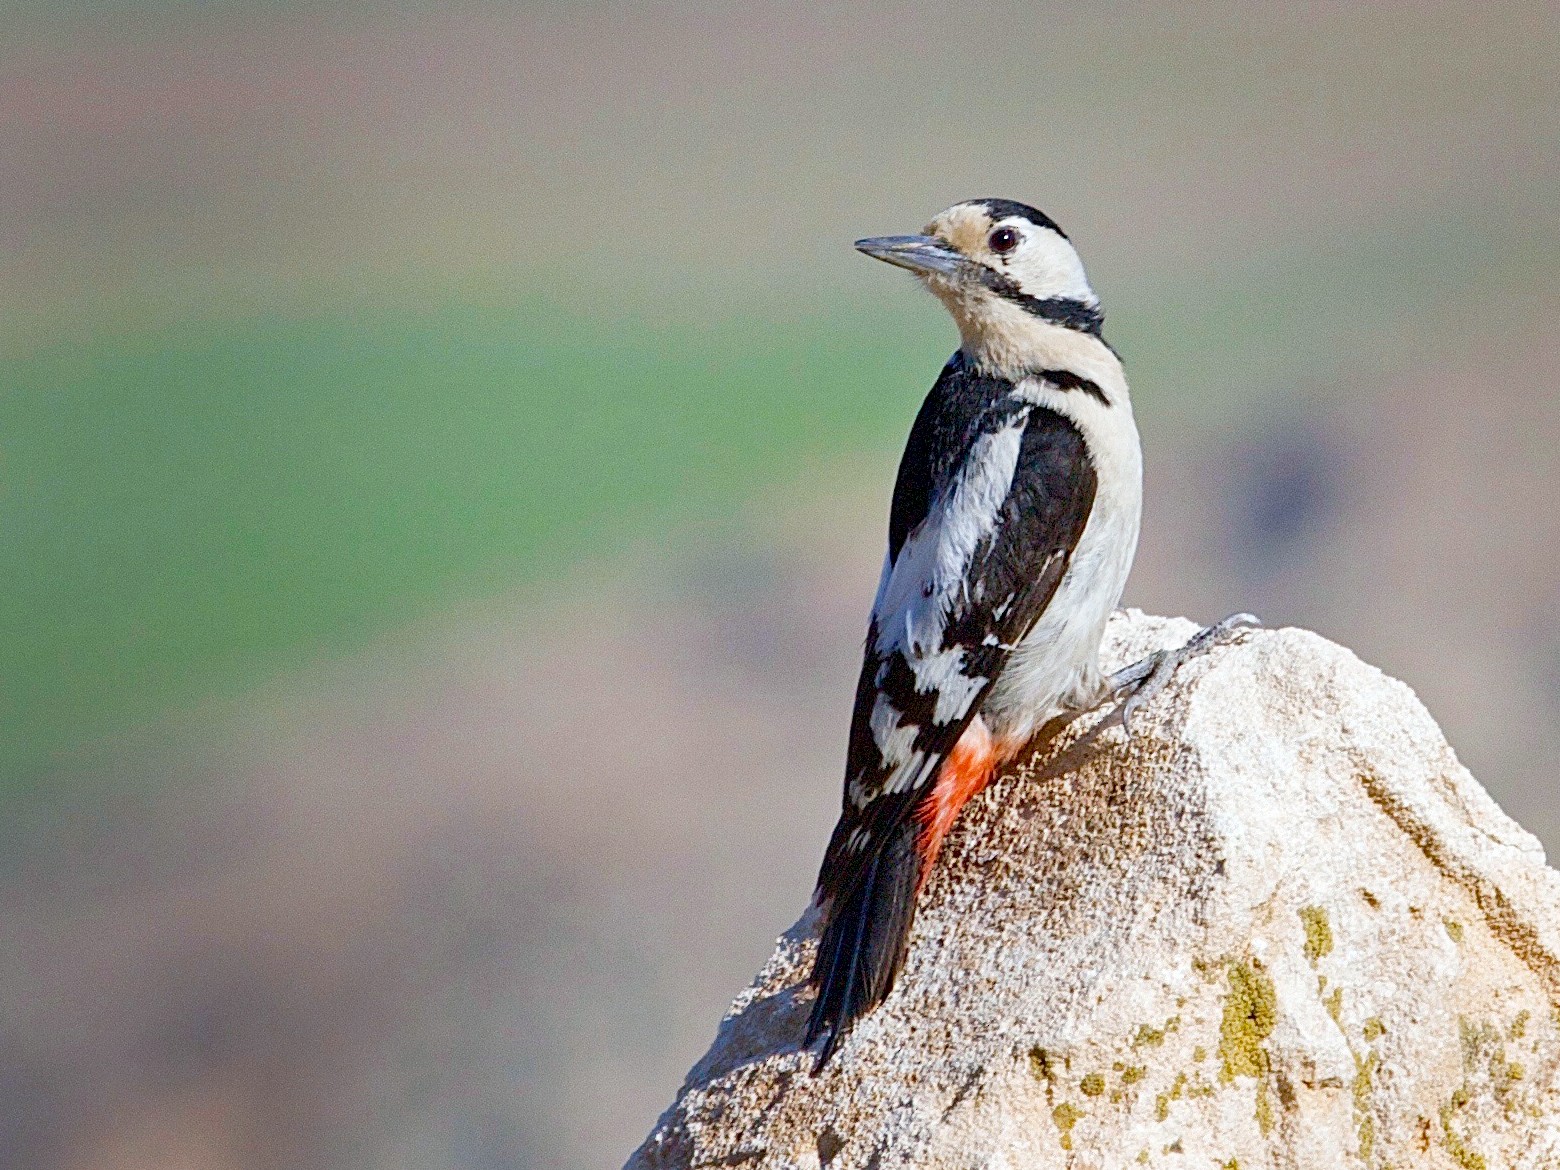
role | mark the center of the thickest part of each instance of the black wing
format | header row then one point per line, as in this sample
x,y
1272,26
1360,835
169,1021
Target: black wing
x,y
870,871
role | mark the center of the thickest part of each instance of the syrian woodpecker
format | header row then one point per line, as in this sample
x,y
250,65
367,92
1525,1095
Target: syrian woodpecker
x,y
1013,525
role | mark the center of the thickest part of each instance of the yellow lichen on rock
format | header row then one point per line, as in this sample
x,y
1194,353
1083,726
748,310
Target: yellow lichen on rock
x,y
1318,933
1456,1144
1066,1116
1040,1064
1250,1013
1364,1118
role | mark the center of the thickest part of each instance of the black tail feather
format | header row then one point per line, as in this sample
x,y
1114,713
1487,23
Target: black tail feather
x,y
863,942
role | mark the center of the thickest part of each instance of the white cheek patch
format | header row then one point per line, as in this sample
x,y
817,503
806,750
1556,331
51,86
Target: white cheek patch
x,y
1046,265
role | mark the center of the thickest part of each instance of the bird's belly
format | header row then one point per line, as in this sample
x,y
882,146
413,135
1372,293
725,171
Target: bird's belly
x,y
1056,668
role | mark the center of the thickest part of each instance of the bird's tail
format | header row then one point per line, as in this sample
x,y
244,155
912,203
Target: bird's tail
x,y
864,937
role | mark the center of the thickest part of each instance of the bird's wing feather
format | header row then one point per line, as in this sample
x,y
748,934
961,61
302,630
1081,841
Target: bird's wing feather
x,y
968,582
963,585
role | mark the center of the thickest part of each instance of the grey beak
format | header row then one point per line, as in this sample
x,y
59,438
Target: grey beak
x,y
917,253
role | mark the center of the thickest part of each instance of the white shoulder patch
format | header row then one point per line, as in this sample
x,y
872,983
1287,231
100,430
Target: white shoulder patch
x,y
932,569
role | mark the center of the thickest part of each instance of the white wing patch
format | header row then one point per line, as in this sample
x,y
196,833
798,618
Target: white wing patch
x,y
943,672
906,776
913,773
932,569
895,741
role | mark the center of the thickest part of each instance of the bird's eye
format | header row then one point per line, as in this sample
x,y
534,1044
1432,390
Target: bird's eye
x,y
1004,240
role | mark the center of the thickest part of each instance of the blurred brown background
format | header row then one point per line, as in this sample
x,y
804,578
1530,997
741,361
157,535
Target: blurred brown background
x,y
444,456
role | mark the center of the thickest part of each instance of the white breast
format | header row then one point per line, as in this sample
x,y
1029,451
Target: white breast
x,y
1057,668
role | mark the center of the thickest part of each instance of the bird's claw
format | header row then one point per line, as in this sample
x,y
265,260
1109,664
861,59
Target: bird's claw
x,y
1148,676
1209,635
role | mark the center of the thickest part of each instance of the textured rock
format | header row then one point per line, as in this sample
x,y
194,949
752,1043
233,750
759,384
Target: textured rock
x,y
1284,927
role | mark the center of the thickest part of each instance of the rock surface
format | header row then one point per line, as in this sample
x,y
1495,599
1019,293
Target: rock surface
x,y
1284,927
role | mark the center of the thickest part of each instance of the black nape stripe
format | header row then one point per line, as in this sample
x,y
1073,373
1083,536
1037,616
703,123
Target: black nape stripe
x,y
1067,380
1063,311
1069,314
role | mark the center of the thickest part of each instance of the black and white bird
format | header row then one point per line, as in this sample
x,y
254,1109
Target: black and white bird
x,y
1012,529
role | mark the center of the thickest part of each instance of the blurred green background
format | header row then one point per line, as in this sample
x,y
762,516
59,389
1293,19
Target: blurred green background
x,y
192,507
443,459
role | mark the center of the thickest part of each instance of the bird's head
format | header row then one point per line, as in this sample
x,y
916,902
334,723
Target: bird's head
x,y
1007,273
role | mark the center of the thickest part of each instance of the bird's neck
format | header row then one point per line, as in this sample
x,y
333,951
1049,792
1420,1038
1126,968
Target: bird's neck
x,y
1006,341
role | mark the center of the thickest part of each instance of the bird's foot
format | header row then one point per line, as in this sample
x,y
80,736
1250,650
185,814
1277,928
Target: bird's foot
x,y
1145,678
